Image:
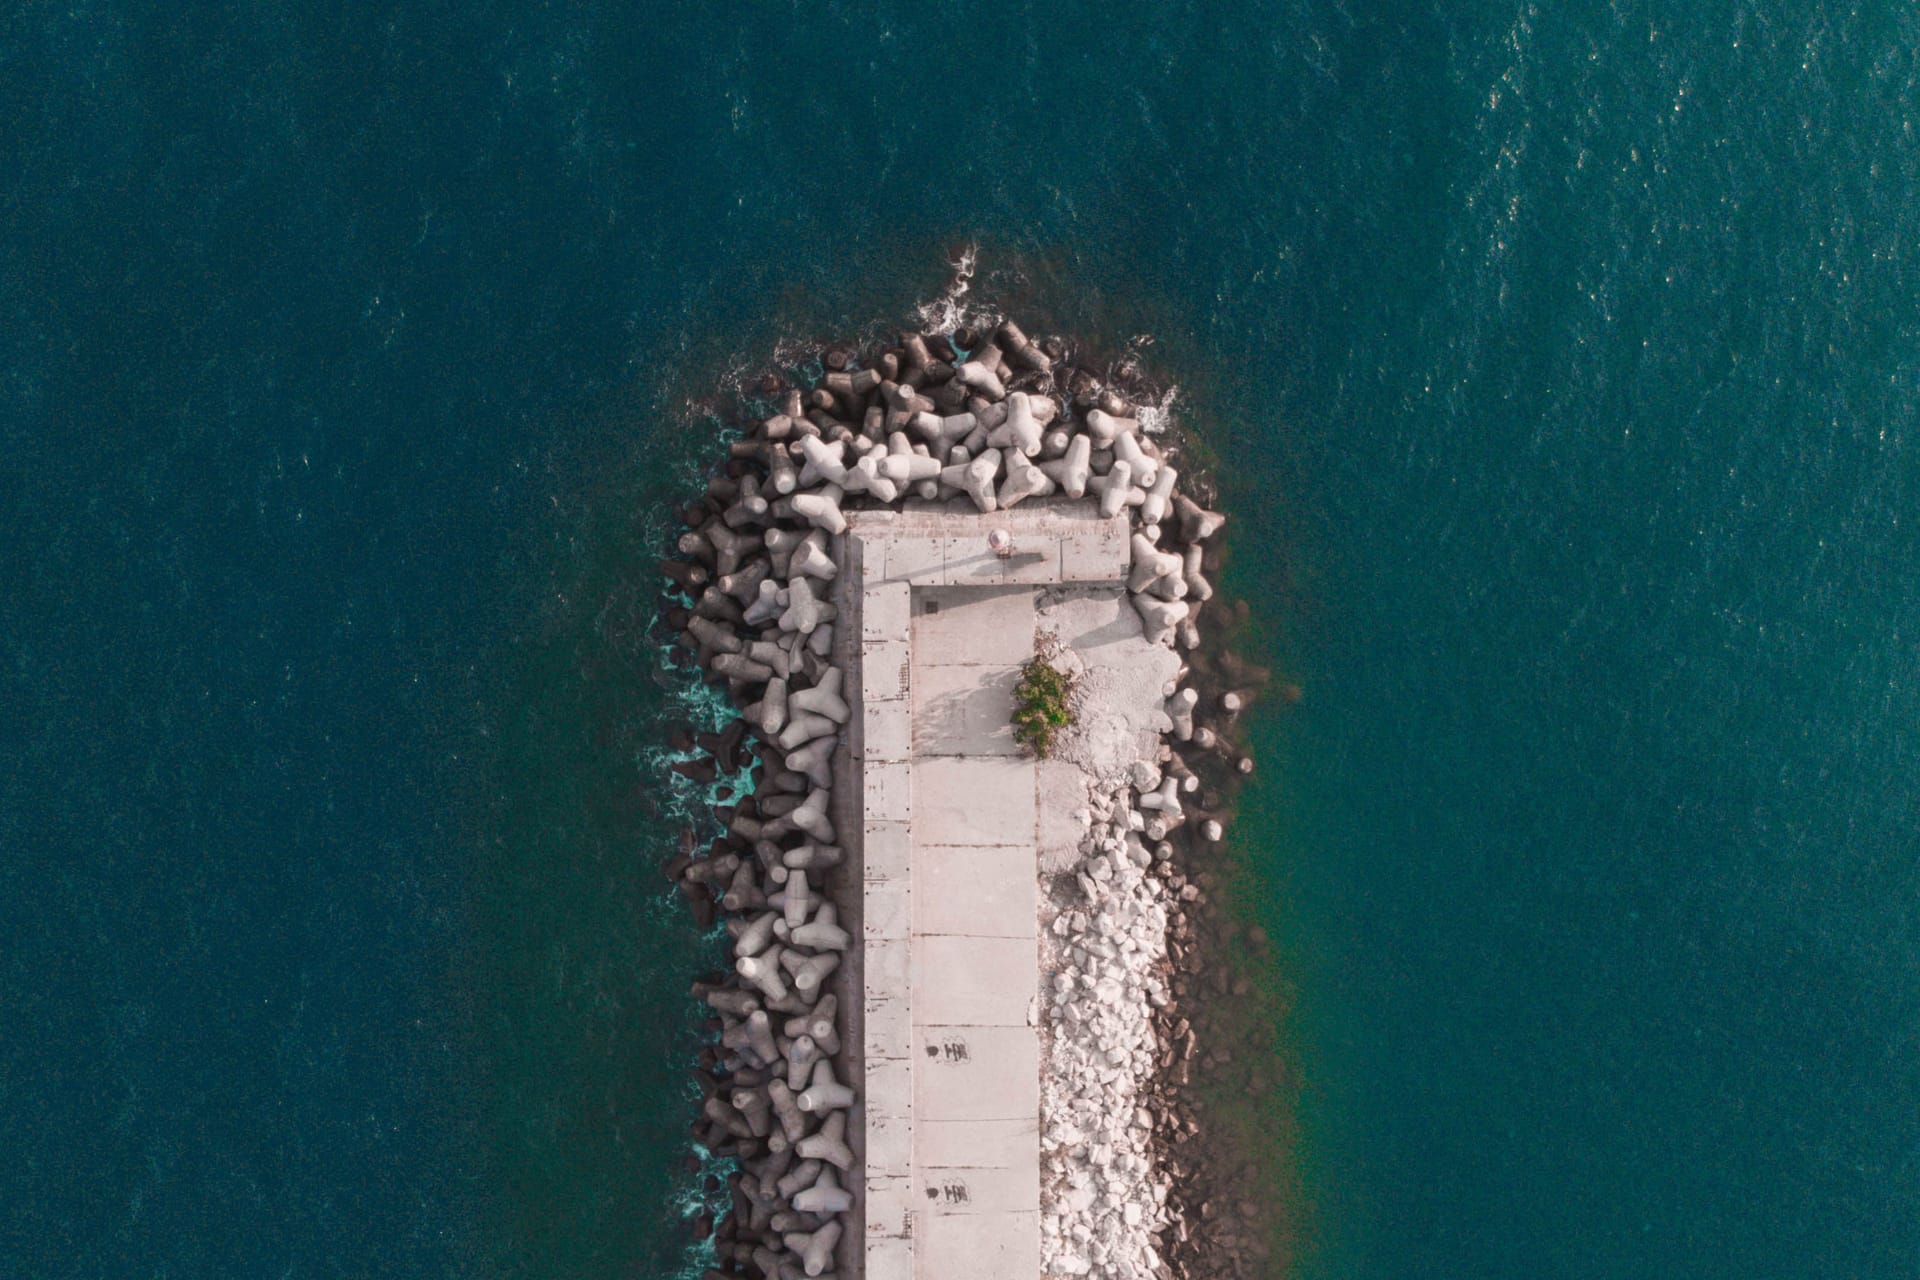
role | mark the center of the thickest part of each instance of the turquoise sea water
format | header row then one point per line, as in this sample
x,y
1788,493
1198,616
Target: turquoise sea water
x,y
1561,363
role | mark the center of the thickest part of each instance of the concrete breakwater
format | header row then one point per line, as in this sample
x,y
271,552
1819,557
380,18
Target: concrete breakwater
x,y
987,467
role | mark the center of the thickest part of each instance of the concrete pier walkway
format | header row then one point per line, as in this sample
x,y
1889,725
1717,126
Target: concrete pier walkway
x,y
943,989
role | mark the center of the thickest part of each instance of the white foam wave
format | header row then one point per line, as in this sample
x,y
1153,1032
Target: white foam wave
x,y
1156,417
953,308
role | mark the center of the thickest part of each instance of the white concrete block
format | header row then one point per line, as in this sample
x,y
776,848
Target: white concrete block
x,y
970,562
886,910
886,670
886,729
890,1210
978,1144
980,1246
889,790
972,801
985,982
917,561
885,612
964,711
889,1143
889,1027
887,850
975,1073
946,1191
888,966
1034,561
889,1088
977,890
1096,553
972,626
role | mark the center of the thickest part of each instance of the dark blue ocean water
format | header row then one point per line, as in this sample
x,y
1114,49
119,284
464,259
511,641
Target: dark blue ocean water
x,y
1562,361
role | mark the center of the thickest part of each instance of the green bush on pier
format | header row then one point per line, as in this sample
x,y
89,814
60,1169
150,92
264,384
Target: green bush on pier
x,y
1042,705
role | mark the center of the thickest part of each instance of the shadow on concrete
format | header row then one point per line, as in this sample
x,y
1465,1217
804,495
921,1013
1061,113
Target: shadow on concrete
x,y
964,711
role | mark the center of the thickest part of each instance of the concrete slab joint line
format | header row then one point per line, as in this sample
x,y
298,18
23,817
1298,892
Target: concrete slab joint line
x,y
948,958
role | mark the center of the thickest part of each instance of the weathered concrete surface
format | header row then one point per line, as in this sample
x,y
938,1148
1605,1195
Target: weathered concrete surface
x,y
988,627
933,547
968,980
1123,680
966,710
983,891
1123,683
1061,803
974,1072
977,1144
975,961
946,977
970,800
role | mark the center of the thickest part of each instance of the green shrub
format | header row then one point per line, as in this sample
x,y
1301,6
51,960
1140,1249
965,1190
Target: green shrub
x,y
1041,705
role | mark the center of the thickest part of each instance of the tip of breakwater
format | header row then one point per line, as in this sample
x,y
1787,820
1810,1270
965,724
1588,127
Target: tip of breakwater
x,y
964,413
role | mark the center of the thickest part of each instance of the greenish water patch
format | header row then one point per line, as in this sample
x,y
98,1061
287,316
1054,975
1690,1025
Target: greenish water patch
x,y
1249,1079
582,952
581,1000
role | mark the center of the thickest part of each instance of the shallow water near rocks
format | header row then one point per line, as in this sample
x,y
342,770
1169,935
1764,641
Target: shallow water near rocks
x,y
1559,366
